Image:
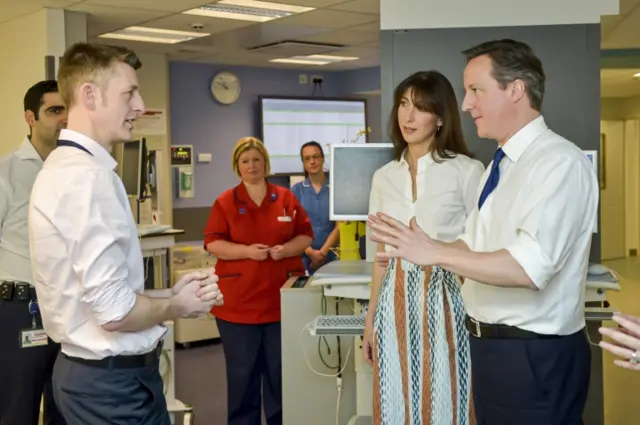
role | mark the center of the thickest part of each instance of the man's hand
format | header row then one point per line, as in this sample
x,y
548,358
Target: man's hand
x,y
188,278
209,290
258,252
409,243
208,282
278,252
188,302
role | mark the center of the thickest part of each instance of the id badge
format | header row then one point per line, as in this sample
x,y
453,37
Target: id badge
x,y
285,218
33,338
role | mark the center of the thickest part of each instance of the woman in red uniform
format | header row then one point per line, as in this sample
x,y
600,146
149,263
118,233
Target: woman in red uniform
x,y
258,232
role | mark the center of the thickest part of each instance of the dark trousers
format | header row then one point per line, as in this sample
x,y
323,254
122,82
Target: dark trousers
x,y
530,381
253,358
25,373
101,396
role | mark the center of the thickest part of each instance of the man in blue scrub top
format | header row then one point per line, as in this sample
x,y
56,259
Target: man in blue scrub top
x,y
313,194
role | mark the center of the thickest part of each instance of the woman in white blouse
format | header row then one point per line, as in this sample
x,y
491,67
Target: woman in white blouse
x,y
415,336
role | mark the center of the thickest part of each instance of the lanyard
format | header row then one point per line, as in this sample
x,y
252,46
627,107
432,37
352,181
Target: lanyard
x,y
73,145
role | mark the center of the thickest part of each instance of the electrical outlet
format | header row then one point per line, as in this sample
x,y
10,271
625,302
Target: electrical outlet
x,y
303,79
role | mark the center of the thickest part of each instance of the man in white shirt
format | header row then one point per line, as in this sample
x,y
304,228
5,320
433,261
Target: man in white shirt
x,y
525,251
25,369
86,257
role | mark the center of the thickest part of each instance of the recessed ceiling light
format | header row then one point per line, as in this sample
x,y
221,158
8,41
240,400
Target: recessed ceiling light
x,y
154,35
299,61
333,58
248,10
636,75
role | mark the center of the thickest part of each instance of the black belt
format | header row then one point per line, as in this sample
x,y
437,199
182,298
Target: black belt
x,y
17,291
123,362
487,330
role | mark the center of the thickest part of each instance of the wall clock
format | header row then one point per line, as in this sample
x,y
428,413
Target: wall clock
x,y
225,87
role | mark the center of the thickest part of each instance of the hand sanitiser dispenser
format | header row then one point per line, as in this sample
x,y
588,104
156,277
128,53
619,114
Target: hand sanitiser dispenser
x,y
182,164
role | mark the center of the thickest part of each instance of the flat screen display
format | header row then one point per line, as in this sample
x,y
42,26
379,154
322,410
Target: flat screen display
x,y
288,123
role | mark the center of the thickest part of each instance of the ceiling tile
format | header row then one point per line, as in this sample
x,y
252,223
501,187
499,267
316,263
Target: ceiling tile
x,y
346,37
370,27
327,19
103,19
362,6
619,83
182,22
156,5
309,3
10,9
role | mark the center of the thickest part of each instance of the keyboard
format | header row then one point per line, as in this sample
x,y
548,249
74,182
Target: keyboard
x,y
152,229
338,325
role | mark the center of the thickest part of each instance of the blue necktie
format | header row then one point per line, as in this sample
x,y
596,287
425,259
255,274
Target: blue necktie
x,y
494,177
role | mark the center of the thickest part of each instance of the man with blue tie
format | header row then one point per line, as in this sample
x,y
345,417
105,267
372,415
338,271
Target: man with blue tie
x,y
525,251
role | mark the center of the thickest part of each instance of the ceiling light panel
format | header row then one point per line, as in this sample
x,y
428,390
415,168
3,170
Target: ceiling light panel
x,y
247,10
153,35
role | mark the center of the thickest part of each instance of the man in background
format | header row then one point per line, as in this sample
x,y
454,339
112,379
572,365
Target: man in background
x,y
27,355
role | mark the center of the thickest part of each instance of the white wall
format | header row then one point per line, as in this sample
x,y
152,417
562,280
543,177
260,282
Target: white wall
x,y
613,196
22,67
25,43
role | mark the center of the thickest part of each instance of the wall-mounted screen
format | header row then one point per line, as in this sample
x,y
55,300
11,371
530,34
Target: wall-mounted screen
x,y
288,123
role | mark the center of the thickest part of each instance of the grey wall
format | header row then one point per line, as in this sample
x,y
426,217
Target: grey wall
x,y
571,59
570,55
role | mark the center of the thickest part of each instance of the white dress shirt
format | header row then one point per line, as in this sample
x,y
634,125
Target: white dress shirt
x,y
85,253
544,212
446,193
18,171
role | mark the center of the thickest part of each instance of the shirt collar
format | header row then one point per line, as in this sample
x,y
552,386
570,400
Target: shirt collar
x,y
422,162
99,152
26,151
242,196
307,182
519,142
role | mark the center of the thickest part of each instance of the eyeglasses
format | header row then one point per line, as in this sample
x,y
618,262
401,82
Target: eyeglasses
x,y
309,158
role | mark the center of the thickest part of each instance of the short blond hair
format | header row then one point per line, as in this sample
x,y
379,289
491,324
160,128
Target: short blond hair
x,y
245,144
86,62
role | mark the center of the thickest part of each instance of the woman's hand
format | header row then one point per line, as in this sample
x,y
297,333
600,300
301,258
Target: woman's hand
x,y
626,341
318,258
258,252
278,252
367,342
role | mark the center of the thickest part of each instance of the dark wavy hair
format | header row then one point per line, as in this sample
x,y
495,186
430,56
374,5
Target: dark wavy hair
x,y
432,92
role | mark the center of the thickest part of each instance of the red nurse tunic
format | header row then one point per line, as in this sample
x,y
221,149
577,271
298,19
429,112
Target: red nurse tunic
x,y
251,288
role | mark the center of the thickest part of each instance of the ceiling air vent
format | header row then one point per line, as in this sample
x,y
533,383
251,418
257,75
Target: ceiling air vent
x,y
290,48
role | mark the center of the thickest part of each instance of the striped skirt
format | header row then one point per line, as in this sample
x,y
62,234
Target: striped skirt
x,y
421,359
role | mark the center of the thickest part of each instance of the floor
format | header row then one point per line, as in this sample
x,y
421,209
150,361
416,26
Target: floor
x,y
201,382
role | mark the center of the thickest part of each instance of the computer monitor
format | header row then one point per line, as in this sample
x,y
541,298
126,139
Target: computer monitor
x,y
133,168
350,178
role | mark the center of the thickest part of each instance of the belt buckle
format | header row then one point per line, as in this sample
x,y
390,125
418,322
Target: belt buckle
x,y
478,330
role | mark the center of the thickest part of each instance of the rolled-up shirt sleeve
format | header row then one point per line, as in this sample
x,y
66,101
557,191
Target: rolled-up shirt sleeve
x,y
557,210
97,233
